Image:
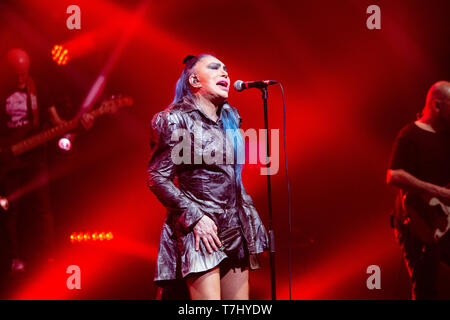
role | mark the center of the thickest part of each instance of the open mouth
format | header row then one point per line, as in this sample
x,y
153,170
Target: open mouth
x,y
223,84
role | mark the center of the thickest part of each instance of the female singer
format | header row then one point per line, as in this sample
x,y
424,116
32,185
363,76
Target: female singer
x,y
212,230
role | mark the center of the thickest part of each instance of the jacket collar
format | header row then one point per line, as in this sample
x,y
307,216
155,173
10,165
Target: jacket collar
x,y
187,104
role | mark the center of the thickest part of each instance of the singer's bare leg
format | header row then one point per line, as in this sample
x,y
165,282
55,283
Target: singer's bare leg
x,y
234,285
204,286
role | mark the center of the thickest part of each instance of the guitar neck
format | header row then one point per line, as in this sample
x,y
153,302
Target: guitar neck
x,y
47,135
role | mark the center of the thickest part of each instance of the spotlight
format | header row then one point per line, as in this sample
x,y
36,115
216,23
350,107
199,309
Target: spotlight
x,y
88,237
65,143
109,236
60,55
4,203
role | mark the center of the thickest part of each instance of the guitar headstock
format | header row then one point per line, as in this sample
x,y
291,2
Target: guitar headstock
x,y
116,102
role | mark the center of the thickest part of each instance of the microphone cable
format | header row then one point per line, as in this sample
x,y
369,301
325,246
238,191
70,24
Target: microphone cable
x,y
289,195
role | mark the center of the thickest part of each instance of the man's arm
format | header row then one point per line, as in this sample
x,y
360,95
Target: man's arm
x,y
406,181
55,119
86,119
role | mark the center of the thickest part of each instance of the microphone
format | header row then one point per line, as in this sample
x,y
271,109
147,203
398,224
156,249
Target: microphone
x,y
240,85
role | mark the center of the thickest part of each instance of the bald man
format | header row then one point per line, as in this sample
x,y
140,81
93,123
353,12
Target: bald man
x,y
420,168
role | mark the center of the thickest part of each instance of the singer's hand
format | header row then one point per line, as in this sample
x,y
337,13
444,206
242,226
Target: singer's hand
x,y
206,230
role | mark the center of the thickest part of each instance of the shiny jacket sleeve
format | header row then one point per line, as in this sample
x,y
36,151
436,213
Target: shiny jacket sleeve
x,y
161,170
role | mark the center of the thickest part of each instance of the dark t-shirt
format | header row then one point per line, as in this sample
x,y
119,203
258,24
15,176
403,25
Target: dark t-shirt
x,y
423,154
16,118
16,112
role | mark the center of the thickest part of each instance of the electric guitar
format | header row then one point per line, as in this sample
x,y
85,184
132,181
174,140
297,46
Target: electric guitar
x,y
108,106
429,217
9,153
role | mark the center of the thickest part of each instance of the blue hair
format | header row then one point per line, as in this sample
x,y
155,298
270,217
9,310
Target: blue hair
x,y
231,126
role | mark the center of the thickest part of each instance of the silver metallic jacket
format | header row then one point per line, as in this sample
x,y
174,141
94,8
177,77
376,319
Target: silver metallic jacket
x,y
181,136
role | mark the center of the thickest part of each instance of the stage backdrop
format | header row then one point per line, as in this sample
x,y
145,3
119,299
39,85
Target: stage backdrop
x,y
348,90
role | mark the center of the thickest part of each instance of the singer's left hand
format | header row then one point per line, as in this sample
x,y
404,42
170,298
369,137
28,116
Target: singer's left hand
x,y
87,120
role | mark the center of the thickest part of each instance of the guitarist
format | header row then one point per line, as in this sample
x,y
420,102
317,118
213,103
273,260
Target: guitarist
x,y
420,168
24,111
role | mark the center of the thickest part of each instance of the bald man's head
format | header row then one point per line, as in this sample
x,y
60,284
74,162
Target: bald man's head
x,y
19,63
439,91
19,60
438,102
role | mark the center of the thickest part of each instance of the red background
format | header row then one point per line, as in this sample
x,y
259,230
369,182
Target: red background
x,y
348,92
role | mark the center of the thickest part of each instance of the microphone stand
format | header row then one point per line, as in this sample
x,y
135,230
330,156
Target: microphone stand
x,y
269,196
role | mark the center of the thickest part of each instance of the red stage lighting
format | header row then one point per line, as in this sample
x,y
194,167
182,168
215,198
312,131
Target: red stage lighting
x,y
60,55
87,236
109,236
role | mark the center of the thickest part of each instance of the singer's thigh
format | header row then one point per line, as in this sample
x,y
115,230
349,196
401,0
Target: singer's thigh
x,y
205,285
234,284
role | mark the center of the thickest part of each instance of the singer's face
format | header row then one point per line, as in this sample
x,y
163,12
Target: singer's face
x,y
213,81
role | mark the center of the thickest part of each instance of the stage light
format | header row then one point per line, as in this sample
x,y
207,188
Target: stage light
x,y
88,236
4,203
65,143
60,55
